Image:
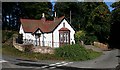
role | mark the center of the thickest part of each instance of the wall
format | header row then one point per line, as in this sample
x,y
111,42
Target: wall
x,y
101,45
56,33
47,37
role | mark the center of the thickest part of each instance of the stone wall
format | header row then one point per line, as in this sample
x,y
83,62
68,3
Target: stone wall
x,y
101,45
43,50
36,49
17,46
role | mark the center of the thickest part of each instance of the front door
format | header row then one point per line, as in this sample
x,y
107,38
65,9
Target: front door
x,y
64,38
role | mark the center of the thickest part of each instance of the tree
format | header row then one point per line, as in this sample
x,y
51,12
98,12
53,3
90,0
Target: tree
x,y
35,10
13,11
6,14
64,8
99,22
115,26
92,17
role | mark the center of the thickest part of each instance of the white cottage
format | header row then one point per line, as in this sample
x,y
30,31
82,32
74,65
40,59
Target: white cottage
x,y
47,33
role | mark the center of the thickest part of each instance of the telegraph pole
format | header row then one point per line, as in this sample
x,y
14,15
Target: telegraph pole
x,y
70,16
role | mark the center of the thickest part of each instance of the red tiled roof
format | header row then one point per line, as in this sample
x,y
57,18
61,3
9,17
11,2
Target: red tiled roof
x,y
64,29
31,25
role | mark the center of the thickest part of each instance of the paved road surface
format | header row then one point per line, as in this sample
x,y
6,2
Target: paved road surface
x,y
108,61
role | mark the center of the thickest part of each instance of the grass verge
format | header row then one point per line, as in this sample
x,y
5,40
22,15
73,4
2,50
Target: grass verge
x,y
69,53
76,52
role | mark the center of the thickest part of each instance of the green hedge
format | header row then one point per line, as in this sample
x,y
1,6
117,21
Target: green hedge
x,y
75,52
72,52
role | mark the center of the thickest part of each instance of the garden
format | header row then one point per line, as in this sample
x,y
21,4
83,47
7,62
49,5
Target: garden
x,y
75,52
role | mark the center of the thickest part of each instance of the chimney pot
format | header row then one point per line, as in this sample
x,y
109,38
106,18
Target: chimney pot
x,y
55,14
43,15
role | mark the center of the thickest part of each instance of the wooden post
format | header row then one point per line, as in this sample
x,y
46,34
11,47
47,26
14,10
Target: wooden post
x,y
52,41
70,16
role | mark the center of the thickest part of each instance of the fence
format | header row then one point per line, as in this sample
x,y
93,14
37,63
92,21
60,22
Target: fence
x,y
40,43
21,47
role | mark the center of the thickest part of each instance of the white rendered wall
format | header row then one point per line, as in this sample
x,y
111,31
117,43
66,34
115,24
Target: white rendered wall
x,y
56,33
47,38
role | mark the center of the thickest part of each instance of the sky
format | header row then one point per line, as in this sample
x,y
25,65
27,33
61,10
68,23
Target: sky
x,y
108,2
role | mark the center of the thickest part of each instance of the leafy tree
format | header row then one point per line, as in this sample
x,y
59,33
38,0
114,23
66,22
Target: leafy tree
x,y
11,14
64,8
92,17
99,22
115,26
13,11
35,10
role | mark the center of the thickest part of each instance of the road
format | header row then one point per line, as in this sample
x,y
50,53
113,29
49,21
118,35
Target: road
x,y
108,61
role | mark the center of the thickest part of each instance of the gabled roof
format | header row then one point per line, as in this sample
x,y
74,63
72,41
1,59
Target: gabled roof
x,y
64,29
31,25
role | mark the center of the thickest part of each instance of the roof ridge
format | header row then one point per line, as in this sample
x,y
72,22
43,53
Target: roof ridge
x,y
31,25
40,19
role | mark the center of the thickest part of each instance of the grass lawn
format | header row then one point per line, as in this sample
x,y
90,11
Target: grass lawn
x,y
11,51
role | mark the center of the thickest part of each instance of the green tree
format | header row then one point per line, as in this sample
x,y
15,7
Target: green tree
x,y
115,26
99,22
13,11
9,11
35,9
64,8
92,17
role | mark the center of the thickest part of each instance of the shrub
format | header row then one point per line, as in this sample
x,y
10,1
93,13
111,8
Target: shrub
x,y
76,52
85,37
89,39
7,35
79,36
28,48
72,52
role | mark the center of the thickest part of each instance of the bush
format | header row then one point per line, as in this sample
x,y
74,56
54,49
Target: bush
x,y
79,36
89,39
72,52
28,48
76,52
85,37
7,35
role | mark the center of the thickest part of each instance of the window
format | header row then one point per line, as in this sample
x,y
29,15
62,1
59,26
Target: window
x,y
64,37
61,37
